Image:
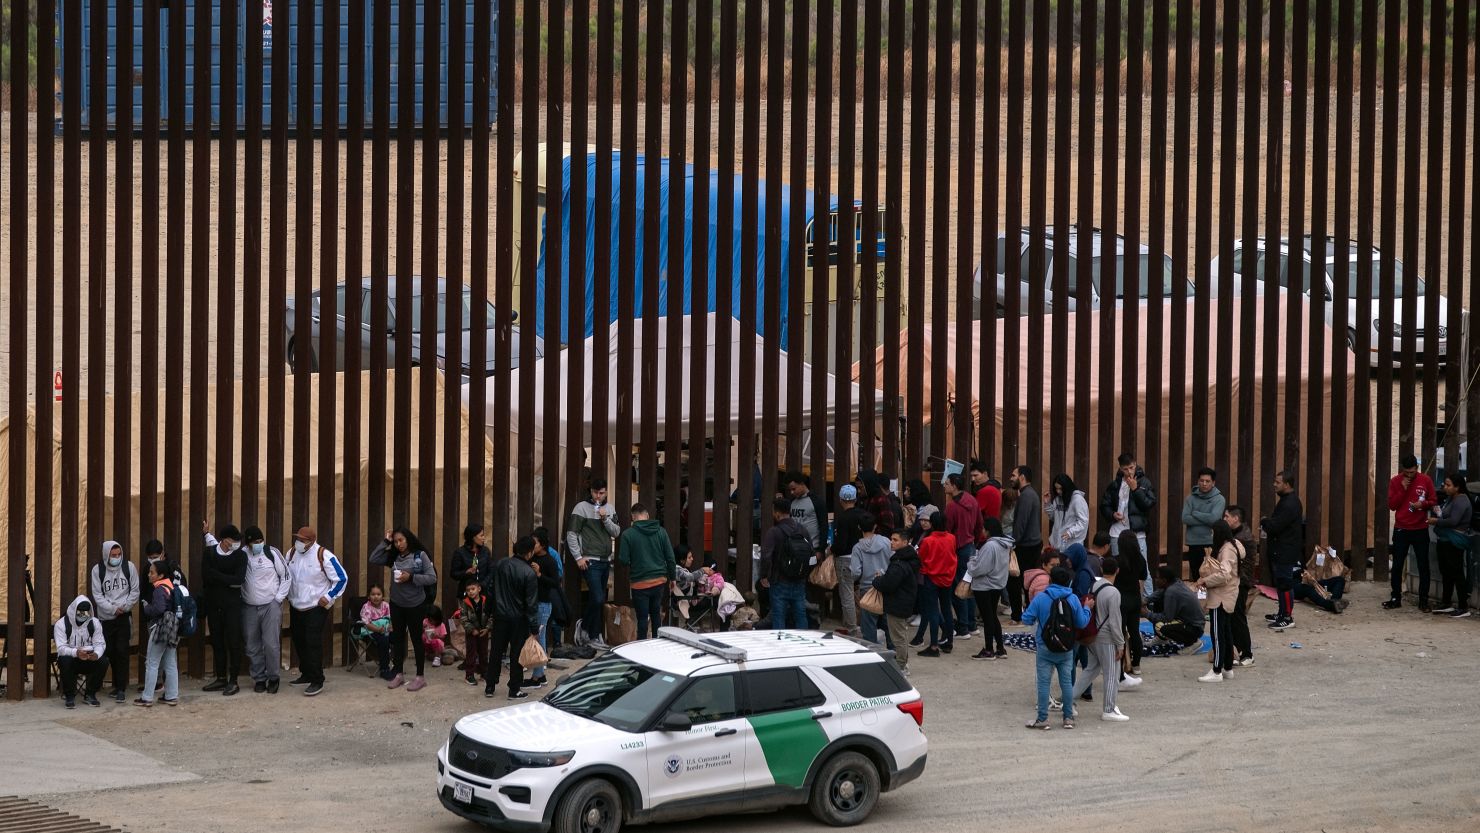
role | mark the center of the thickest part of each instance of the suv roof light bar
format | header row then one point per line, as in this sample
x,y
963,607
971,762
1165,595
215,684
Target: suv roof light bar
x,y
708,646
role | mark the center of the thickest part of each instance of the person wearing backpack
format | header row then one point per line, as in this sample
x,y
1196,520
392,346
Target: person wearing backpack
x,y
787,555
268,582
159,617
81,647
1059,616
1107,647
115,585
318,582
413,580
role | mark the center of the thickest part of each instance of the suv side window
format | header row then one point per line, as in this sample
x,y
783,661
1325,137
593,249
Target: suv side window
x,y
870,679
781,689
708,699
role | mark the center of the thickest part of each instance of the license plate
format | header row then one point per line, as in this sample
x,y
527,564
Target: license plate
x,y
463,793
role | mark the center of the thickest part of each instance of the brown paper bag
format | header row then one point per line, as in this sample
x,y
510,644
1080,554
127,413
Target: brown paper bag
x,y
873,602
532,655
1012,564
621,624
825,574
963,590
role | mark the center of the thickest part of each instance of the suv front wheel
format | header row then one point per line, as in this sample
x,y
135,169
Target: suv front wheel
x,y
592,806
845,790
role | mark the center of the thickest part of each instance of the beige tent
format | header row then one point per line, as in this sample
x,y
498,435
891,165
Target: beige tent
x,y
284,424
1105,439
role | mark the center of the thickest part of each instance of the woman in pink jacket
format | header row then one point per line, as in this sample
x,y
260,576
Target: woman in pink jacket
x,y
1217,586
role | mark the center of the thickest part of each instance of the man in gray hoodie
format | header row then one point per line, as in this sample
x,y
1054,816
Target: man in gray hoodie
x,y
80,651
868,560
115,584
1203,508
588,536
1106,652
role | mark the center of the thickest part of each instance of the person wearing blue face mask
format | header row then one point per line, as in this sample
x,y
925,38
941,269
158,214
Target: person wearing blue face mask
x,y
115,585
267,584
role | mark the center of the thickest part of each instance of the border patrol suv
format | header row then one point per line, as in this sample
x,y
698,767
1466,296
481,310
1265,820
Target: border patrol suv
x,y
689,725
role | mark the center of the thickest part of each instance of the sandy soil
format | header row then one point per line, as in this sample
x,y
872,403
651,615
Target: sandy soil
x,y
1364,727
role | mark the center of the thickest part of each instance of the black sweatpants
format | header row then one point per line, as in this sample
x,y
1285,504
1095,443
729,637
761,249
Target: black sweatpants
x,y
70,667
1451,571
406,622
1130,617
225,619
1028,556
117,633
1243,643
1220,621
307,628
508,640
986,603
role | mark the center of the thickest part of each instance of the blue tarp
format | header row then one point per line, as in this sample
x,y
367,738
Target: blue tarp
x,y
589,292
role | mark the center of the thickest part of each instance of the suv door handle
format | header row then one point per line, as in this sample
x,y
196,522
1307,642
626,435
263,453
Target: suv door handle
x,y
821,715
723,732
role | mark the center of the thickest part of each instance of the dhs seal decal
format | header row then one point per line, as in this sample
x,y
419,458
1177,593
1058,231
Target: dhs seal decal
x,y
673,767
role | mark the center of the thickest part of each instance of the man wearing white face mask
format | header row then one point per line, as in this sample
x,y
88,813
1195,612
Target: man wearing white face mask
x,y
115,584
318,581
268,582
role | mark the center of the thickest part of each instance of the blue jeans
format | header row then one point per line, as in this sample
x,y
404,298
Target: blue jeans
x,y
965,608
935,612
872,625
542,616
160,656
1048,662
597,573
788,605
649,605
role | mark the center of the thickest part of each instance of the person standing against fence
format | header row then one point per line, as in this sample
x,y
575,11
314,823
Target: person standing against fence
x,y
552,588
1452,523
115,587
413,578
1411,495
267,584
1027,531
988,492
1285,530
987,572
868,561
1243,644
472,561
318,582
785,549
589,536
1125,504
1130,566
1201,509
963,520
848,530
162,638
1068,514
645,550
515,617
225,567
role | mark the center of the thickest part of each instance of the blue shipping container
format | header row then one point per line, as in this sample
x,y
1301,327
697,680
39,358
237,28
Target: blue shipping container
x,y
286,19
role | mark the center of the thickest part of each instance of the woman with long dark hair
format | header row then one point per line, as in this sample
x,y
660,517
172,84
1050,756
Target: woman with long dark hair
x,y
413,581
1068,513
1217,584
1128,582
472,561
1451,522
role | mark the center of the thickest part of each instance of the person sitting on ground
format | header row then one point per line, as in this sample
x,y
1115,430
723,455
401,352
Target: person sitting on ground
x,y
80,650
375,615
434,635
1175,609
1323,581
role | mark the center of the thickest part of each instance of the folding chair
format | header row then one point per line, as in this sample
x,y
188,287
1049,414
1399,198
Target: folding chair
x,y
362,647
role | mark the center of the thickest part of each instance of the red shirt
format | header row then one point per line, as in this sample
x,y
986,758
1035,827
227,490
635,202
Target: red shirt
x,y
938,558
1420,491
989,500
963,519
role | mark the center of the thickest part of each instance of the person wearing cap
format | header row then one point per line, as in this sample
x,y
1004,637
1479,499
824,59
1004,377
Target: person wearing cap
x,y
224,565
848,530
318,582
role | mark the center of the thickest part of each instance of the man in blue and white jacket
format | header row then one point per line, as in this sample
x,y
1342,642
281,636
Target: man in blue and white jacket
x,y
318,582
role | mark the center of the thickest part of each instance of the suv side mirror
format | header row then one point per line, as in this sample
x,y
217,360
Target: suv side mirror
x,y
675,722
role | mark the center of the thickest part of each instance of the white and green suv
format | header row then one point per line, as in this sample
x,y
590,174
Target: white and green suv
x,y
689,725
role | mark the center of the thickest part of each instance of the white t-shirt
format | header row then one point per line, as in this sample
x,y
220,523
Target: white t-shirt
x,y
1124,509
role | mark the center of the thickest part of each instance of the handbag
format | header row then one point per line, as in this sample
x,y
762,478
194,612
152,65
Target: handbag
x,y
1012,564
963,590
872,601
825,574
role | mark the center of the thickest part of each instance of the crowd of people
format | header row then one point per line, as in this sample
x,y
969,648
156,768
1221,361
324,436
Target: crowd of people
x,y
900,572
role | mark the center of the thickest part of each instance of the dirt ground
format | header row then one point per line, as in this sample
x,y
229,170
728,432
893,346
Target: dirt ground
x,y
1366,727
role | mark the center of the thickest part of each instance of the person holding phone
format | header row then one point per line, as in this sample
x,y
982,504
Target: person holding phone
x,y
589,536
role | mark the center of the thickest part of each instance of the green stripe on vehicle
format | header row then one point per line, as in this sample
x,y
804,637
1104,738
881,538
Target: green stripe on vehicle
x,y
790,741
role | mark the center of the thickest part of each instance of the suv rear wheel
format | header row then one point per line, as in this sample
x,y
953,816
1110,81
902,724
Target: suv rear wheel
x,y
592,806
845,791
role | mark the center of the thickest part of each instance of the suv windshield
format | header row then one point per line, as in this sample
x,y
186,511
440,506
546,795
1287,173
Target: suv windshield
x,y
614,691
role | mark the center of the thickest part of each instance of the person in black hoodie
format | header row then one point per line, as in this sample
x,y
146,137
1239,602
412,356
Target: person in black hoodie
x,y
899,587
1285,528
515,617
224,565
551,585
472,561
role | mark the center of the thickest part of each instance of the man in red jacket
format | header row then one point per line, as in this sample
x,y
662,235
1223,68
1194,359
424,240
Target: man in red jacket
x,y
988,491
1410,496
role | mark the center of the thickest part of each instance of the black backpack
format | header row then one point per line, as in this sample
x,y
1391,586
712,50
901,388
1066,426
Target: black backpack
x,y
1059,633
795,554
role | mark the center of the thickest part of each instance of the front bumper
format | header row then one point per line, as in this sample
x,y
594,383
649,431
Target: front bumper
x,y
490,806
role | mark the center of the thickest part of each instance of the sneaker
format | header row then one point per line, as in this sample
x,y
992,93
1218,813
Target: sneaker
x,y
1227,676
1130,681
417,684
272,686
1443,611
119,696
1246,662
1054,705
1088,697
436,662
579,634
1391,604
1113,716
90,699
1342,605
967,634
302,680
1040,724
395,682
946,647
174,702
929,652
1460,614
915,643
138,701
470,679
1001,654
984,654
1270,617
1281,624
519,695
536,682
1068,723
313,689
260,687
230,689
490,689
71,702
1211,677
217,684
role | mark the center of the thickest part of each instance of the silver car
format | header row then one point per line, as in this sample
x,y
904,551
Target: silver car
x,y
1141,293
